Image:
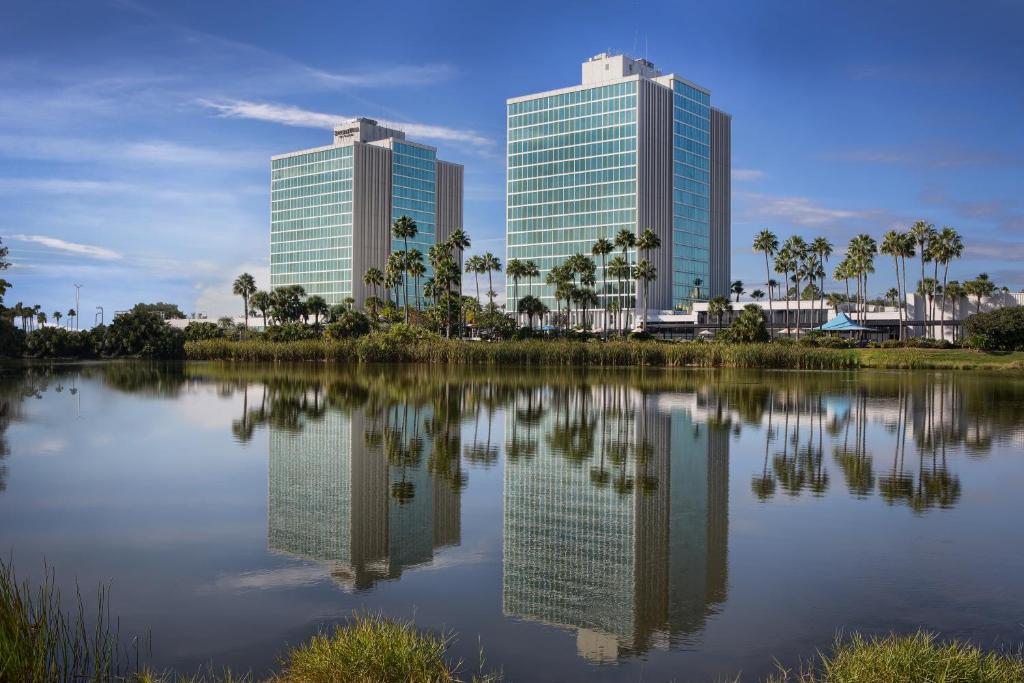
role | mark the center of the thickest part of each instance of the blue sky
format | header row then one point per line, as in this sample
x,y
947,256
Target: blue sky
x,y
135,136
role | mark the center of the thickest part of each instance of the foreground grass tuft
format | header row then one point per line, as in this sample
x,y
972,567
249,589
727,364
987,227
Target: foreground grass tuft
x,y
371,648
918,658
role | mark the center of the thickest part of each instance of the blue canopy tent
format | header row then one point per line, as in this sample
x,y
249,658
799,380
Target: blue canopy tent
x,y
844,323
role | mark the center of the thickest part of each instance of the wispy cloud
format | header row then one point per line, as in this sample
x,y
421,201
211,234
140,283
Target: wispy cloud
x,y
386,77
938,155
66,247
289,115
997,250
914,73
151,192
742,174
1004,215
797,211
74,150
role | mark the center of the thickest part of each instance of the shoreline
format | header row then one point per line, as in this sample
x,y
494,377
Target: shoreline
x,y
624,353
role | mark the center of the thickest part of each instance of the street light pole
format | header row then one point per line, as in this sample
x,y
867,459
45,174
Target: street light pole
x,y
78,312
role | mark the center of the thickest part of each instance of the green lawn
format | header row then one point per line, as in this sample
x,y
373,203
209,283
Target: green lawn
x,y
939,359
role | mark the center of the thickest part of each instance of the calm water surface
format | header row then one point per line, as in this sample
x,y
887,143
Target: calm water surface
x,y
602,526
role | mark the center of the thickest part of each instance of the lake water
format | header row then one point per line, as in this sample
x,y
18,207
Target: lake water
x,y
576,525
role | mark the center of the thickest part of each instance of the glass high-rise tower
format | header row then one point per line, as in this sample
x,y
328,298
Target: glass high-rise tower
x,y
629,148
332,208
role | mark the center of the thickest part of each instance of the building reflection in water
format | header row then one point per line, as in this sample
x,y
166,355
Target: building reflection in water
x,y
353,490
616,520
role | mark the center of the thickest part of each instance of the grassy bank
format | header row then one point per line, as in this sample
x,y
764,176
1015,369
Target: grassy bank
x,y
938,359
389,348
918,658
382,348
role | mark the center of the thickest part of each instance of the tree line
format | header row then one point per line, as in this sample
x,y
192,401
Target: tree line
x,y
803,264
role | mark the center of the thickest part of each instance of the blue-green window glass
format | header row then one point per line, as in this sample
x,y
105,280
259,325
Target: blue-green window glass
x,y
571,179
691,194
413,182
311,222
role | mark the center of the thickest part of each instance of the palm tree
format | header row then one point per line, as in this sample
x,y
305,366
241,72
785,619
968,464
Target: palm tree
x,y
404,229
955,291
72,314
892,245
244,286
618,269
645,273
737,289
979,287
491,263
767,243
57,315
785,262
797,248
41,318
757,295
393,274
834,299
922,232
718,306
459,240
602,248
906,250
515,269
261,301
697,282
861,251
822,249
842,272
373,277
530,306
892,295
474,264
414,266
530,271
625,240
949,245
316,306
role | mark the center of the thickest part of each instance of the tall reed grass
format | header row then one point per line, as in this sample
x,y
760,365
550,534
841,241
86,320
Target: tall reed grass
x,y
382,348
41,642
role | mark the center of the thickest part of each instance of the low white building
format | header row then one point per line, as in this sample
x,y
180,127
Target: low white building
x,y
922,316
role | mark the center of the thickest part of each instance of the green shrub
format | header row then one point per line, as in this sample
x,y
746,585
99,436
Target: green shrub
x,y
290,331
143,334
918,658
748,327
998,330
638,335
57,342
200,330
12,340
348,324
